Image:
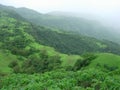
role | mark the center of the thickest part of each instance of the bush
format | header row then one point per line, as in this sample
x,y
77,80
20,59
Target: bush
x,y
41,64
110,68
87,58
13,64
16,69
90,79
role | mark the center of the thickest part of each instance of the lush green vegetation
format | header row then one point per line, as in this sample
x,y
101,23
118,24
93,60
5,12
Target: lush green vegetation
x,y
18,45
106,59
71,43
27,62
61,41
91,79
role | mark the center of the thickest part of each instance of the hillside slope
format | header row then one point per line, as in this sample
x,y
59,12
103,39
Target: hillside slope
x,y
27,62
72,43
23,40
106,60
66,22
18,45
69,23
61,41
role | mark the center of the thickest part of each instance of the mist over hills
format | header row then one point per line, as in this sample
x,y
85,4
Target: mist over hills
x,y
69,22
58,38
56,52
111,20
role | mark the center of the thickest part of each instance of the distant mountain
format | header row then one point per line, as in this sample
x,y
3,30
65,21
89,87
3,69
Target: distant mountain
x,y
27,61
111,21
28,13
72,43
14,28
73,23
73,14
69,22
10,12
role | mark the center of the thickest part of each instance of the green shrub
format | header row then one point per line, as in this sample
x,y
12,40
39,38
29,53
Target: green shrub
x,y
13,64
90,79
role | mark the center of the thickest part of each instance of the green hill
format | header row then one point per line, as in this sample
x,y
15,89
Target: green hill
x,y
72,43
33,58
66,22
69,23
106,59
24,40
17,45
62,41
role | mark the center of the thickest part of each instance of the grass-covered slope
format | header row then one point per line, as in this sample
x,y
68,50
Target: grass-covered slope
x,y
5,59
17,45
106,59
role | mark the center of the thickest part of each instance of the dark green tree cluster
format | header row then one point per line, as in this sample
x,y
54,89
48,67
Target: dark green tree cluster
x,y
37,65
87,58
13,37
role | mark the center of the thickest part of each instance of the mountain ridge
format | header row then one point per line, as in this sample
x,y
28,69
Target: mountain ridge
x,y
69,23
66,42
36,57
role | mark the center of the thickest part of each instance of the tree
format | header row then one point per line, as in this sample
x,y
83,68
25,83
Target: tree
x,y
13,64
41,64
87,58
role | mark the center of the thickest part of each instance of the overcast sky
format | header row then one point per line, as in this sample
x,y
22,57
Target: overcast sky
x,y
106,8
67,5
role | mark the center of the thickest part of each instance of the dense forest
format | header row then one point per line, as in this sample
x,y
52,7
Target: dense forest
x,y
37,57
71,43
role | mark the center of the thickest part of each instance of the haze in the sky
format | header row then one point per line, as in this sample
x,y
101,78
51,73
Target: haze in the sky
x,y
67,5
108,9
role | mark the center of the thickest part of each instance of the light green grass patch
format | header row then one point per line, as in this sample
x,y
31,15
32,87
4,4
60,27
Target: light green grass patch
x,y
5,59
106,58
69,60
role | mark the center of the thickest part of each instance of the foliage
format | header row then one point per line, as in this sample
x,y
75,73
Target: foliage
x,y
91,79
37,65
71,43
87,58
13,64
